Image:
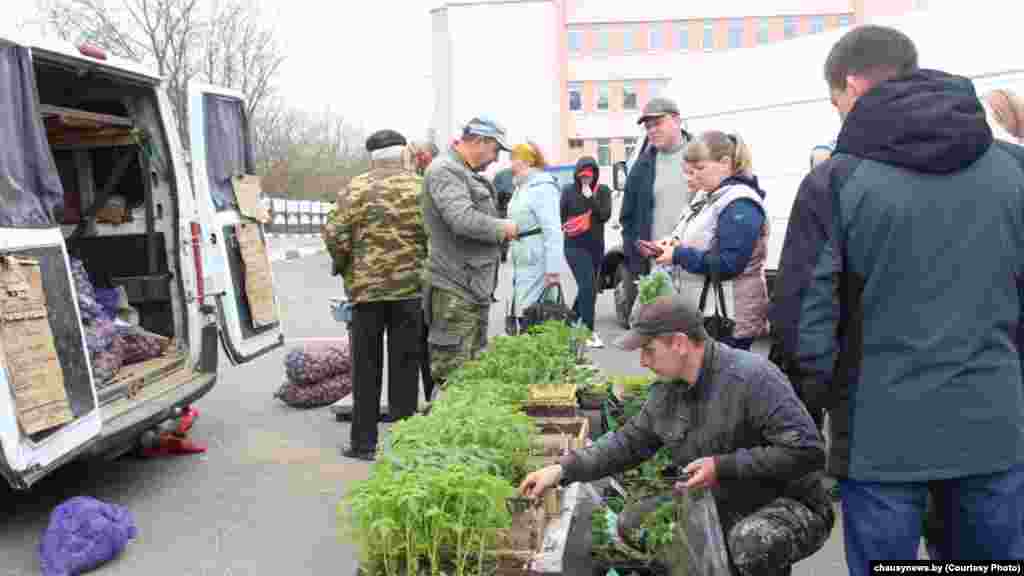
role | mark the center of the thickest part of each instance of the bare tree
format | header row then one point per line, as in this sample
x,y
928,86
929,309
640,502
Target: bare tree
x,y
227,48
237,51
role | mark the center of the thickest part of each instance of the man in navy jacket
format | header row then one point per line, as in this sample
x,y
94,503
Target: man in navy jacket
x,y
900,300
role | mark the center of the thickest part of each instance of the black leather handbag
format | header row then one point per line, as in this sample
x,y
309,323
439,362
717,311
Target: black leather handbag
x,y
550,306
720,325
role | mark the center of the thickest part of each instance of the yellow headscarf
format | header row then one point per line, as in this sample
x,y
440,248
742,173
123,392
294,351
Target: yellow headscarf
x,y
525,153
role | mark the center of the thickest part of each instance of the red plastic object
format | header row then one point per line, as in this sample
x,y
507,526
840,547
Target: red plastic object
x,y
188,418
92,51
171,445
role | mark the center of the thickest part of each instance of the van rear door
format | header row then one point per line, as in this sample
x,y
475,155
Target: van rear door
x,y
235,253
29,391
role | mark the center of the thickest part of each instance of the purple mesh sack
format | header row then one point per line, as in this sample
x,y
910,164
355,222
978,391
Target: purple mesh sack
x,y
88,307
99,336
83,534
315,362
315,395
138,345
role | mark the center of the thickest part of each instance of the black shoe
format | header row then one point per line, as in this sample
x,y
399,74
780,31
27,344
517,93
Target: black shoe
x,y
367,455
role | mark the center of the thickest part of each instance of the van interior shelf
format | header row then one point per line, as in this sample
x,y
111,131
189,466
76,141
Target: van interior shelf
x,y
67,128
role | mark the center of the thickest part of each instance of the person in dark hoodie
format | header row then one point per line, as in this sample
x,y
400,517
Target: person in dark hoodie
x,y
900,299
585,206
727,235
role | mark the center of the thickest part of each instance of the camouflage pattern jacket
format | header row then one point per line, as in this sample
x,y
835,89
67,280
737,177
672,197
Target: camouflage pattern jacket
x,y
375,235
743,412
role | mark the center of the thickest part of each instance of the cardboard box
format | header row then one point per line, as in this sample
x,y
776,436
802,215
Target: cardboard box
x,y
27,351
560,435
259,286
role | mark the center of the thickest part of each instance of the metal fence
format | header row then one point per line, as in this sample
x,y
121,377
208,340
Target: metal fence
x,y
297,217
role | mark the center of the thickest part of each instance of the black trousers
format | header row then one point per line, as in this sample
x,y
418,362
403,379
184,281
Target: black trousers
x,y
425,375
402,320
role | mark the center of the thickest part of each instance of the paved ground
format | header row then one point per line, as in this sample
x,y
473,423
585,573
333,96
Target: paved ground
x,y
262,501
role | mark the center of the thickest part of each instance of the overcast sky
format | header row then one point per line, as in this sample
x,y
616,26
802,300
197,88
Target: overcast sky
x,y
366,60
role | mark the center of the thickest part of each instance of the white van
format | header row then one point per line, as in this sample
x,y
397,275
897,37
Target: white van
x,y
776,98
79,127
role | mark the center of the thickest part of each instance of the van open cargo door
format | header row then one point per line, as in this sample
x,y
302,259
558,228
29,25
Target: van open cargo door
x,y
48,407
236,256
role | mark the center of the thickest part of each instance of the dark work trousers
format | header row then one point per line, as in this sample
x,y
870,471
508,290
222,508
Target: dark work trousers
x,y
581,262
425,376
402,320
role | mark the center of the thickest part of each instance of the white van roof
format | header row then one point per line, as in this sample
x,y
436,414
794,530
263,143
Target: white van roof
x,y
67,51
975,43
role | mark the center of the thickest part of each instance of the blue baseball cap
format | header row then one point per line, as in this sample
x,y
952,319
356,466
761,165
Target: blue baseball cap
x,y
489,128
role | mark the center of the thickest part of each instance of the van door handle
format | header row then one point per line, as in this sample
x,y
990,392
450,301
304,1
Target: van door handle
x,y
213,239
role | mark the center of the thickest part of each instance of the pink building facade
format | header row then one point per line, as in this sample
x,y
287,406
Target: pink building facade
x,y
615,56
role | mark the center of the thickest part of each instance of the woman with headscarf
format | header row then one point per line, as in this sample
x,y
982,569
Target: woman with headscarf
x,y
536,259
727,236
585,207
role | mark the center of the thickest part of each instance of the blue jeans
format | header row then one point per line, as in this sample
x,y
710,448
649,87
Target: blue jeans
x,y
983,518
581,262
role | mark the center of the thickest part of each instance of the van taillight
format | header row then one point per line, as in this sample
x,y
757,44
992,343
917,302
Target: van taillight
x,y
197,257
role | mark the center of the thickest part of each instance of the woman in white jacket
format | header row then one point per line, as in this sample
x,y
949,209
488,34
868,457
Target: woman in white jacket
x,y
727,235
536,259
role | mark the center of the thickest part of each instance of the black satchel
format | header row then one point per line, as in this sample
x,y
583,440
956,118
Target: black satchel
x,y
550,306
720,325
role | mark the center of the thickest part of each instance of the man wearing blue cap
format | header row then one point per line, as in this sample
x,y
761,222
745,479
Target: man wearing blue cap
x,y
466,234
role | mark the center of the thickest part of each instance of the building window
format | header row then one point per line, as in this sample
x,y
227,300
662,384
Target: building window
x,y
817,24
684,38
575,96
630,145
602,96
628,96
790,26
656,87
655,38
627,40
764,30
844,20
604,152
709,35
575,41
575,143
600,40
735,33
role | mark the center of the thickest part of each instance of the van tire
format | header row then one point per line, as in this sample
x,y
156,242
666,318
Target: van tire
x,y
625,294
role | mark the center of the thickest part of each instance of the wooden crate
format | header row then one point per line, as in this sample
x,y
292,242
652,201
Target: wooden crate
x,y
558,436
532,523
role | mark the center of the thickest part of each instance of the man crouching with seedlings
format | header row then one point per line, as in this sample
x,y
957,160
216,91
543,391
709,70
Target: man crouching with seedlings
x,y
733,423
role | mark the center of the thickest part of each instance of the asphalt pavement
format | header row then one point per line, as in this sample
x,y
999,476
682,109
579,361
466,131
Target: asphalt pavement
x,y
263,499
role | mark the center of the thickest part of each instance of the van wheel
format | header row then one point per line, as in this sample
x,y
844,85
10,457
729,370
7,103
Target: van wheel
x,y
625,294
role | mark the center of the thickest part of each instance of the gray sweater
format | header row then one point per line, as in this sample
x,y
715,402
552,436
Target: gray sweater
x,y
465,231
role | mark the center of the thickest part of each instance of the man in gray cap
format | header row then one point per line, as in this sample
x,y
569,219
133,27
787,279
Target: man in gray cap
x,y
466,235
656,190
734,426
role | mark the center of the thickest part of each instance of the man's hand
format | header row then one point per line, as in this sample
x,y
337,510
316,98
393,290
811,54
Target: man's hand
x,y
551,279
702,473
538,482
665,258
511,229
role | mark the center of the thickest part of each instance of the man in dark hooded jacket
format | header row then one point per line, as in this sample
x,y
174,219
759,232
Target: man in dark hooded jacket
x,y
900,301
586,206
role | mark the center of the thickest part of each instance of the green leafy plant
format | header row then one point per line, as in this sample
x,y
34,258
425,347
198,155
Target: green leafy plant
x,y
436,497
653,286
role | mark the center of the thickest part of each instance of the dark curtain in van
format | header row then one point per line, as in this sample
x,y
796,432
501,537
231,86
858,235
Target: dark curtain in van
x,y
227,150
30,187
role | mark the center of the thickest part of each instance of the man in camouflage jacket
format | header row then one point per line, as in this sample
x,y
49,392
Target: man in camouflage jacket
x,y
378,243
733,424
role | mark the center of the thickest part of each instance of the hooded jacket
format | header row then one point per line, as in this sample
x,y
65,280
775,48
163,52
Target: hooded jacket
x,y
575,203
900,292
